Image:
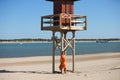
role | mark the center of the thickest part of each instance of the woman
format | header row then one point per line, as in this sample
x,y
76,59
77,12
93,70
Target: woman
x,y
62,62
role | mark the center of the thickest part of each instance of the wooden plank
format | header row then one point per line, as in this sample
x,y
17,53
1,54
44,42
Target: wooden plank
x,y
57,7
52,21
86,23
75,21
48,22
78,16
50,16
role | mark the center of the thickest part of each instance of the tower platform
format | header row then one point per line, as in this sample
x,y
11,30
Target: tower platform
x,y
63,22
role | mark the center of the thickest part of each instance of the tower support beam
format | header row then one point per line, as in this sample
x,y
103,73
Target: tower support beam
x,y
53,57
63,44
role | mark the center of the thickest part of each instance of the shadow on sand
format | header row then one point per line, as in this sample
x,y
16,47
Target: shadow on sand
x,y
33,72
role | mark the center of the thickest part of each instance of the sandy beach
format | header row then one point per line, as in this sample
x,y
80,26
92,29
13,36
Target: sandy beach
x,y
103,66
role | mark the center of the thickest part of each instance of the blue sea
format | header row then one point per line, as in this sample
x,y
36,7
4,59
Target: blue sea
x,y
45,49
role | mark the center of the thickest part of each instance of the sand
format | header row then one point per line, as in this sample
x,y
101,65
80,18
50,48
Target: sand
x,y
103,66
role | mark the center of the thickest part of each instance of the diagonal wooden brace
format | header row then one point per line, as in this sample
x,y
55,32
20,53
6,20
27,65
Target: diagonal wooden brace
x,y
68,44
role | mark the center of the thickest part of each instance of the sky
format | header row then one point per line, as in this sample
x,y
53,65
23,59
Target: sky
x,y
21,18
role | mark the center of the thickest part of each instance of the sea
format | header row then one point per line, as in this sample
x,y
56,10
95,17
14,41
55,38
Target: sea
x,y
13,50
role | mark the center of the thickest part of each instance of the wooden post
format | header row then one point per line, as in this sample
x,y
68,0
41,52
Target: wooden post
x,y
85,22
53,57
41,22
64,41
73,52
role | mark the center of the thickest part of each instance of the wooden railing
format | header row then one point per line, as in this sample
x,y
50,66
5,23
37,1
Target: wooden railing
x,y
63,22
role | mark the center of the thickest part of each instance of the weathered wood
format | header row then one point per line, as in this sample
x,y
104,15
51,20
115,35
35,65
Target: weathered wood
x,y
64,28
53,56
73,52
72,25
63,21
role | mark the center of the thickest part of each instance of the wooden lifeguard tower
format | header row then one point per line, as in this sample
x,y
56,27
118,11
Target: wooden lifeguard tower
x,y
63,21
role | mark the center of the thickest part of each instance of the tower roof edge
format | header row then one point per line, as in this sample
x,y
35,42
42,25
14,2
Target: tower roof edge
x,y
67,0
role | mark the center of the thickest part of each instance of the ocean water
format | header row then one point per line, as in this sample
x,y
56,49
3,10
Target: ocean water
x,y
45,49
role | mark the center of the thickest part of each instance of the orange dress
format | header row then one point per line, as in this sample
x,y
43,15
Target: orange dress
x,y
62,62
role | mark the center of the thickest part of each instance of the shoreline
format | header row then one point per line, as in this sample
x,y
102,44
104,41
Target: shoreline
x,y
48,59
50,56
22,42
92,54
